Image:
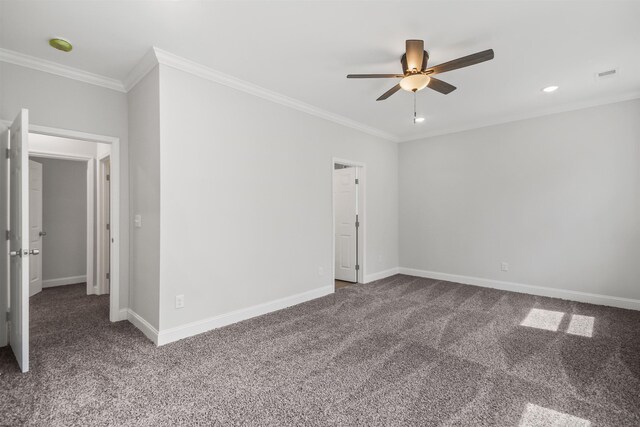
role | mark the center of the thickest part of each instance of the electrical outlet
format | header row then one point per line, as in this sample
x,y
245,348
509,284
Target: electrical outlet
x,y
320,271
179,301
137,221
504,266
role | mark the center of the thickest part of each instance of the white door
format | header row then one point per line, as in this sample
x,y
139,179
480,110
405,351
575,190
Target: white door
x,y
19,239
35,226
106,226
345,209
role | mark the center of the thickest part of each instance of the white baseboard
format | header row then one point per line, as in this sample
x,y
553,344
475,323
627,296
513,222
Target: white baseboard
x,y
123,314
62,281
198,327
140,323
628,303
4,334
381,275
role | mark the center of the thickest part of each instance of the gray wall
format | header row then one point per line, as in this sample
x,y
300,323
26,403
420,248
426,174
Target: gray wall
x,y
557,197
144,131
64,218
246,199
68,104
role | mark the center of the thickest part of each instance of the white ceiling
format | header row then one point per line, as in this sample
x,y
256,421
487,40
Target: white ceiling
x,y
305,49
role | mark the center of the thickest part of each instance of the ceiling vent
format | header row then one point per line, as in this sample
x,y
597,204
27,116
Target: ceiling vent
x,y
607,74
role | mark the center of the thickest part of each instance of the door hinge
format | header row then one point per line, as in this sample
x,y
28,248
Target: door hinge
x,y
7,153
108,226
7,234
108,177
357,221
357,181
108,276
357,267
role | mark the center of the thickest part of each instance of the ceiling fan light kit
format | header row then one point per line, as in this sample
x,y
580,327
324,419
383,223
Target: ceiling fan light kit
x,y
415,74
414,82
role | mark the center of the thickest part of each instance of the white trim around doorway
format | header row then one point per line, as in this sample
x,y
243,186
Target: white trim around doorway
x,y
114,295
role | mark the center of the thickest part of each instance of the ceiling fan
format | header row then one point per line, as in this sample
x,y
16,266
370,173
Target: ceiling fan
x,y
416,76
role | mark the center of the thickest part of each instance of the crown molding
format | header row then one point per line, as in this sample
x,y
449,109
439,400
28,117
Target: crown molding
x,y
156,56
50,67
193,68
147,63
532,115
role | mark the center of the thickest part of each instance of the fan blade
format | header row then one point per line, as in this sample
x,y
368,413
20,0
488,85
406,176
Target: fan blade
x,y
440,86
374,76
465,61
389,92
415,53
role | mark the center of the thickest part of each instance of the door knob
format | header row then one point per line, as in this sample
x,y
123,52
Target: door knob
x,y
42,233
16,253
34,251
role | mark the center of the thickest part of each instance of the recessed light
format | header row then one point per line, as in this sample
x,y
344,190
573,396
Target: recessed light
x,y
61,44
550,89
418,119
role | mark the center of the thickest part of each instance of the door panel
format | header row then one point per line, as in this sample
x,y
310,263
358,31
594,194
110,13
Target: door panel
x,y
107,214
35,226
345,208
19,239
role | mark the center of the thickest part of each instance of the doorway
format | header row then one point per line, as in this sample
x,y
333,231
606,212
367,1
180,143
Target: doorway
x,y
348,222
61,222
35,226
75,231
15,219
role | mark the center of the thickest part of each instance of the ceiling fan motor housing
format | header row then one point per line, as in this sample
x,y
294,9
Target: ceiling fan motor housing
x,y
405,67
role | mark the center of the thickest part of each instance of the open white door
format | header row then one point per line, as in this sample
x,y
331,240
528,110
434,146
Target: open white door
x,y
104,225
19,239
345,210
35,227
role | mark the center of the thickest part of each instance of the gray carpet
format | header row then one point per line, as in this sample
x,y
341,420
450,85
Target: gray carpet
x,y
400,351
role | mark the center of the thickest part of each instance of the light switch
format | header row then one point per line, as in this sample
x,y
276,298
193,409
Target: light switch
x,y
179,301
137,221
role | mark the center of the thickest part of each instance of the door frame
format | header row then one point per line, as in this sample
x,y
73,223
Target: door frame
x,y
4,243
114,142
362,218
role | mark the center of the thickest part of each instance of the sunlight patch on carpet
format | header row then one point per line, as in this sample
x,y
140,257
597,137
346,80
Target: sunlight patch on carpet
x,y
537,416
581,325
543,319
